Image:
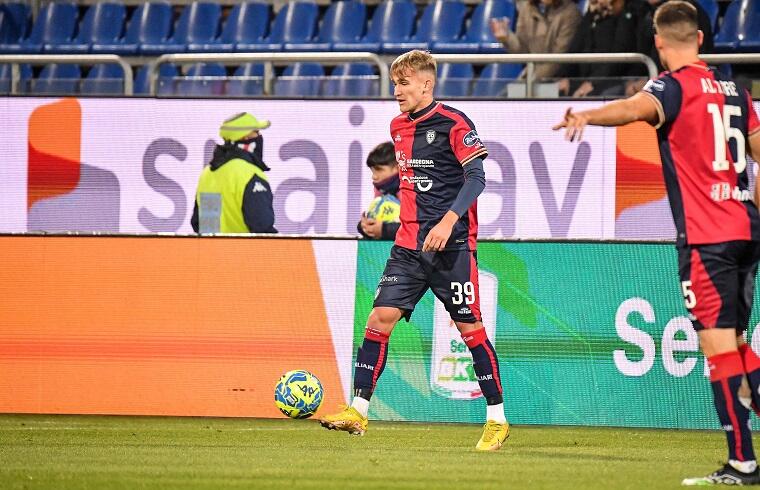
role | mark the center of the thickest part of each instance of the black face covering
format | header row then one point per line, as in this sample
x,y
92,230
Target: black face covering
x,y
389,185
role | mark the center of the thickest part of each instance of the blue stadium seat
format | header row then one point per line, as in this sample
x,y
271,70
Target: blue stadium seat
x,y
751,41
352,80
248,79
441,21
478,37
58,79
151,23
393,21
104,79
344,22
300,79
732,28
711,7
5,77
454,79
295,23
166,77
247,26
198,23
15,19
202,80
493,79
102,23
56,24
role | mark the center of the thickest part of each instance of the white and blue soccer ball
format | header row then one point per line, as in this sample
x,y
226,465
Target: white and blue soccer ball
x,y
298,394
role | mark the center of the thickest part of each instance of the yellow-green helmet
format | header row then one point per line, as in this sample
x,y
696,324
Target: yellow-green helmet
x,y
240,125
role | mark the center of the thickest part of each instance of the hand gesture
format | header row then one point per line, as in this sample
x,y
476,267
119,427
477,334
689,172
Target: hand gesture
x,y
371,227
500,27
585,89
436,239
573,123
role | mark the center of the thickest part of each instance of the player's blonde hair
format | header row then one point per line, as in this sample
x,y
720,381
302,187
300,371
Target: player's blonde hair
x,y
415,60
677,21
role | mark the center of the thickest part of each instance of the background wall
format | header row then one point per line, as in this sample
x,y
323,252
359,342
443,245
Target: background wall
x,y
205,326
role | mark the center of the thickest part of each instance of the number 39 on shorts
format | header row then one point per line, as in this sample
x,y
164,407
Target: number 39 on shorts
x,y
688,295
463,293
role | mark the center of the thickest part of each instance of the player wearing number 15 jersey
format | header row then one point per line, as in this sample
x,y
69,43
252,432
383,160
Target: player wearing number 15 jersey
x,y
440,158
705,126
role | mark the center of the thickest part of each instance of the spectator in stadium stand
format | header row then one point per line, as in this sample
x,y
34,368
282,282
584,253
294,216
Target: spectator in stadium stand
x,y
543,26
382,161
609,26
233,193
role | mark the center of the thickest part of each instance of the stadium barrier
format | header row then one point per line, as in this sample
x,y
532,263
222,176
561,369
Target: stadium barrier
x,y
205,327
530,59
40,59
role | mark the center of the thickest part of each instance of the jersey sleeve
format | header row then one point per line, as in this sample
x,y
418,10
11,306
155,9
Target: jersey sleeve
x,y
666,94
465,142
753,123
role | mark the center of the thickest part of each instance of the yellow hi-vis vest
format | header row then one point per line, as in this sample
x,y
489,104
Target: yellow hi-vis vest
x,y
220,196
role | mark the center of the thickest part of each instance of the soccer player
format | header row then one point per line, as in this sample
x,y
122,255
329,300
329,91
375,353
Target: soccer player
x,y
705,127
440,157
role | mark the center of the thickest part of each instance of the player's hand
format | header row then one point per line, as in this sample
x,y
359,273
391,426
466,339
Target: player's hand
x,y
563,86
573,123
585,89
372,228
436,239
500,28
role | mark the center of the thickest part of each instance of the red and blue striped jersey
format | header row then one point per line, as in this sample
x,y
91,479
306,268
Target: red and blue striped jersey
x,y
432,145
705,120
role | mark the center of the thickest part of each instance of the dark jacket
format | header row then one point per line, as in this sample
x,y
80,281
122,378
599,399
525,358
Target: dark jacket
x,y
629,32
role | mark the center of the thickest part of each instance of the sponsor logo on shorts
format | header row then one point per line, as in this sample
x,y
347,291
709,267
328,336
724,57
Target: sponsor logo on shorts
x,y
485,377
361,365
389,279
464,311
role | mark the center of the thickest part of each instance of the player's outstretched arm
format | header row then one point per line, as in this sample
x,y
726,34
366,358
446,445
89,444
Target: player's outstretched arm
x,y
640,107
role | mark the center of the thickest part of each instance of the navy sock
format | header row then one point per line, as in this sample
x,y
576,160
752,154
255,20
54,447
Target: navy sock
x,y
751,363
485,364
370,362
726,376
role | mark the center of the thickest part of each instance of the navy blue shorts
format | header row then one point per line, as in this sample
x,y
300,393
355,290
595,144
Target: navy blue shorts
x,y
718,282
452,275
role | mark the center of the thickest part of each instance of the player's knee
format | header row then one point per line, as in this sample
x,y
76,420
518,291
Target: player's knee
x,y
383,319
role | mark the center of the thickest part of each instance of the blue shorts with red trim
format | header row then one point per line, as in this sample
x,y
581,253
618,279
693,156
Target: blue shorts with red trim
x,y
718,282
452,275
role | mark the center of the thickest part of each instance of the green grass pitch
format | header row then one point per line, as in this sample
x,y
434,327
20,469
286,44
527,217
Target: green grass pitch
x,y
43,451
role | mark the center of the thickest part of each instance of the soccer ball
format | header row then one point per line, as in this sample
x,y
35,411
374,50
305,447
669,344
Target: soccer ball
x,y
385,208
298,394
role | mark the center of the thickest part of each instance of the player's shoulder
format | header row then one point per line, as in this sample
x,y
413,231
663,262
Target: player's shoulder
x,y
399,120
455,114
666,82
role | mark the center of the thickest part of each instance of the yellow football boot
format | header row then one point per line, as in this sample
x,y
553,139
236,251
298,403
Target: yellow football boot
x,y
494,435
349,420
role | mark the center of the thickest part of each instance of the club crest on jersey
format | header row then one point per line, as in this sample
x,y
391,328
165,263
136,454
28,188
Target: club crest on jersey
x,y
471,139
430,136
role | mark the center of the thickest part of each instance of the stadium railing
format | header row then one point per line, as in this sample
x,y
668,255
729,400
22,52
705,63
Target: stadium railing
x,y
40,59
283,58
269,59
